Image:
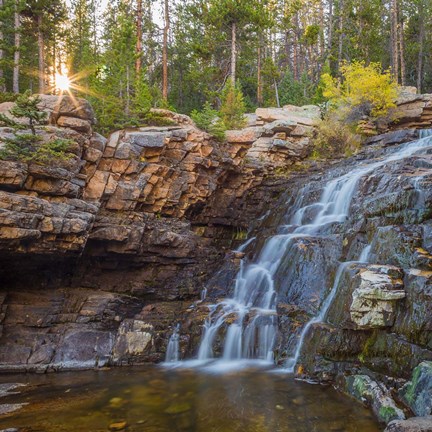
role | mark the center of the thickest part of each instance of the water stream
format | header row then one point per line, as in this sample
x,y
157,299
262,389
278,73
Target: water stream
x,y
152,399
249,317
172,354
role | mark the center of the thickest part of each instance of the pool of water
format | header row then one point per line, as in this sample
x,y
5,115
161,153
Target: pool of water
x,y
157,399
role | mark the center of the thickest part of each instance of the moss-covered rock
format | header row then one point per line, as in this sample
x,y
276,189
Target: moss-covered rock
x,y
363,388
417,393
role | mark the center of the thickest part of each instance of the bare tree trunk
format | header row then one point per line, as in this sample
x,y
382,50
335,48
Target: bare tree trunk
x,y
165,54
330,29
41,46
2,84
139,39
421,48
233,52
402,53
276,93
17,43
341,33
259,80
394,39
288,49
322,40
54,61
296,49
127,108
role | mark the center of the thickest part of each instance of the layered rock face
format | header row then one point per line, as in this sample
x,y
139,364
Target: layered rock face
x,y
106,249
102,255
278,137
413,110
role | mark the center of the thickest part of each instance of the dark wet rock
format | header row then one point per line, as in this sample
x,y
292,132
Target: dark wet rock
x,y
417,393
304,275
414,424
394,137
326,346
413,317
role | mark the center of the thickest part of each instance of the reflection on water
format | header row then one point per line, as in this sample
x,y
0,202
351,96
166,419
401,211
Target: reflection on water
x,y
155,399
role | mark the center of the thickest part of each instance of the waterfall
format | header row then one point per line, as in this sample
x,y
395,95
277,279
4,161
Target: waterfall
x,y
364,256
249,318
172,353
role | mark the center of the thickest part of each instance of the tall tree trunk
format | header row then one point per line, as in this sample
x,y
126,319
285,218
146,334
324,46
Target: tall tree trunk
x,y
322,40
296,59
330,29
288,48
402,52
259,78
41,47
394,39
138,50
2,84
421,47
54,58
165,54
127,107
17,44
233,52
341,33
276,92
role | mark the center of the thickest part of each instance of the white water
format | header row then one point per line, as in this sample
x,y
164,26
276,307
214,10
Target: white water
x,y
249,317
172,353
364,256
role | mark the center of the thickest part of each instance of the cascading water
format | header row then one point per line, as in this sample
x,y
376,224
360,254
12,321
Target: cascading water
x,y
172,353
249,317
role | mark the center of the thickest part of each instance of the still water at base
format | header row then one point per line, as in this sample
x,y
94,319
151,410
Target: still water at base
x,y
155,399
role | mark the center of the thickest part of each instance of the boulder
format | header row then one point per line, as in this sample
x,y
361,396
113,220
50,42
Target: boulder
x,y
268,115
374,300
67,106
417,393
363,388
133,339
245,136
77,124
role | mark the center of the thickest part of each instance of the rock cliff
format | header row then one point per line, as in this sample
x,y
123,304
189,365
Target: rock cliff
x,y
104,253
107,249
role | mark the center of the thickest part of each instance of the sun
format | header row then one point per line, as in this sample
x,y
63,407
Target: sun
x,y
62,82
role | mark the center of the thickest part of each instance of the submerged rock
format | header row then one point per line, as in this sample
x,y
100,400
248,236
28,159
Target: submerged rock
x,y
363,388
415,424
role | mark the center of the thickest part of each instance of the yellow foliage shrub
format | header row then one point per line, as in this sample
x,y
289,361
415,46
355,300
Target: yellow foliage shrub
x,y
362,85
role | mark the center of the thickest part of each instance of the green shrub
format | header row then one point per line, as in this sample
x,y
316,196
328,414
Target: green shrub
x,y
25,108
208,119
29,147
295,92
8,97
333,138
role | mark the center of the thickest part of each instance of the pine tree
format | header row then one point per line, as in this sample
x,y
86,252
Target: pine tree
x,y
233,106
28,147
